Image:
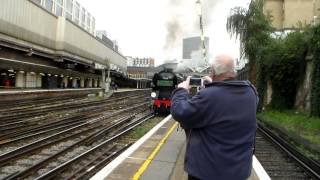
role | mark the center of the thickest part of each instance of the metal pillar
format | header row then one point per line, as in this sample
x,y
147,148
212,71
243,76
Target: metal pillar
x,y
103,80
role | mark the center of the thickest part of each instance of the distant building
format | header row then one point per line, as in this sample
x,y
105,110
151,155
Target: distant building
x,y
286,14
193,44
140,68
71,10
140,62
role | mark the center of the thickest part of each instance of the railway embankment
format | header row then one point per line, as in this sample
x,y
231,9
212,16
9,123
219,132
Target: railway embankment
x,y
299,129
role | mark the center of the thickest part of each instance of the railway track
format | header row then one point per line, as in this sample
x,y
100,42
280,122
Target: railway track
x,y
17,115
280,160
25,123
57,125
44,147
21,138
49,159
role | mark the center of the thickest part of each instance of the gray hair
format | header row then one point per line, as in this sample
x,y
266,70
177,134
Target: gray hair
x,y
220,65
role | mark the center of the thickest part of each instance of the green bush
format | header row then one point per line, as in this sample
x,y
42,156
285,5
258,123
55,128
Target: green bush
x,y
285,63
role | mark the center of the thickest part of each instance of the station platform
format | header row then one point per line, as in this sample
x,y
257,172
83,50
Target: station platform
x,y
158,155
128,89
25,91
8,95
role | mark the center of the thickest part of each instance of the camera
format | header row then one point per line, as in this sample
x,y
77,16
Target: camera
x,y
195,81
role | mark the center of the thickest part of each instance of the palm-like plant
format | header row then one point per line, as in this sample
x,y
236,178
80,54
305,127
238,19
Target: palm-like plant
x,y
253,29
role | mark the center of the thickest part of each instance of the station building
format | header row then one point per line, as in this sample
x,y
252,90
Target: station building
x,y
141,70
52,44
71,10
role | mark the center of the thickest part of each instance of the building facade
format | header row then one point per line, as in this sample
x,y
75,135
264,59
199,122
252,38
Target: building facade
x,y
288,14
140,68
71,10
140,62
102,35
39,49
193,44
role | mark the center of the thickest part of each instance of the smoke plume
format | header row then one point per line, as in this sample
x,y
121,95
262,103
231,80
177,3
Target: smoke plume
x,y
183,21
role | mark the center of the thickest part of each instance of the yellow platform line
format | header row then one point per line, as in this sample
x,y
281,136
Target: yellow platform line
x,y
147,162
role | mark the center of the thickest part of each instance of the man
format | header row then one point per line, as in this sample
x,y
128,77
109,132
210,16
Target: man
x,y
221,124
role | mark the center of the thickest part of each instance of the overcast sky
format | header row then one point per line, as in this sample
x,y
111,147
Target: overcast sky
x,y
141,26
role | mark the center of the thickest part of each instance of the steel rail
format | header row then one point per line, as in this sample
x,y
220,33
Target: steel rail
x,y
65,121
97,164
18,104
312,167
7,157
54,172
36,112
28,171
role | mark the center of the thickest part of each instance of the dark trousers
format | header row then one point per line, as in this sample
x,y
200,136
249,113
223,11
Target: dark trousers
x,y
190,177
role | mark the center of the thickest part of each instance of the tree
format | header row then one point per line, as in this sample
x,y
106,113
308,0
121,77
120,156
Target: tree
x,y
253,29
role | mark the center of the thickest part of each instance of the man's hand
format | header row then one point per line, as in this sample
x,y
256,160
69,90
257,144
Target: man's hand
x,y
185,84
207,79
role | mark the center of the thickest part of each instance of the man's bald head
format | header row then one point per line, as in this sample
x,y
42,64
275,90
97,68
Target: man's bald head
x,y
223,67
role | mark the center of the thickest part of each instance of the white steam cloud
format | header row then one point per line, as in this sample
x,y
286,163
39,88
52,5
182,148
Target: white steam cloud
x,y
182,22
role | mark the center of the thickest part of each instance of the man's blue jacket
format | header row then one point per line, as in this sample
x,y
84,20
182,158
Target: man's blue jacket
x,y
221,119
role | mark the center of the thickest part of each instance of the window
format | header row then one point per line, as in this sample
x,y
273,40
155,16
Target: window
x,y
83,17
59,7
69,5
76,12
58,10
60,2
93,27
88,21
48,5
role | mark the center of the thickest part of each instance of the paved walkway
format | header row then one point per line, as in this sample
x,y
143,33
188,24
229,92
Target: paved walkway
x,y
168,163
158,155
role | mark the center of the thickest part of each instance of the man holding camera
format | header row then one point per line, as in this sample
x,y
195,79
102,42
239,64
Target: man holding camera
x,y
220,121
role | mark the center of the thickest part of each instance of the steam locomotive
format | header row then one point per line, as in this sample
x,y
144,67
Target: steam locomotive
x,y
163,83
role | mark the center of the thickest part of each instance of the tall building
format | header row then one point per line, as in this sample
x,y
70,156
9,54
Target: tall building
x,y
71,10
193,44
286,14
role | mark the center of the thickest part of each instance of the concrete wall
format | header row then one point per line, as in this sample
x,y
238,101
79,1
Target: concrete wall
x,y
275,9
24,22
286,14
297,10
